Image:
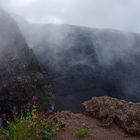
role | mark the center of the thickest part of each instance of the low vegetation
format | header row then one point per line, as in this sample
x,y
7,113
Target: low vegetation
x,y
81,133
32,126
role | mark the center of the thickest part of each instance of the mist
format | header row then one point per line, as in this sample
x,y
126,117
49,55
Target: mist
x,y
114,14
84,62
87,48
63,62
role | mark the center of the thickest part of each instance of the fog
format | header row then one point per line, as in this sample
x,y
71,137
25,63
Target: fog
x,y
116,14
82,62
85,62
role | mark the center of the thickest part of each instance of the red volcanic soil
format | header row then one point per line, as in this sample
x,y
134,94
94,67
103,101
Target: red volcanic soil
x,y
95,130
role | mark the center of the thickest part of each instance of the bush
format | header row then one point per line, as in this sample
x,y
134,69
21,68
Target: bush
x,y
32,126
19,129
81,133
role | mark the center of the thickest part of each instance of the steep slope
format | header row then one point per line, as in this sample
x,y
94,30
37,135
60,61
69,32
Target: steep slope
x,y
20,74
84,62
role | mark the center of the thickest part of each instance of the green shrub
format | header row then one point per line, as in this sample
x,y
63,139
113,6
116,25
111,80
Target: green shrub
x,y
81,133
19,129
32,126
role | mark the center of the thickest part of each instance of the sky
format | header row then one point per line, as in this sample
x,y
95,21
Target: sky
x,y
115,14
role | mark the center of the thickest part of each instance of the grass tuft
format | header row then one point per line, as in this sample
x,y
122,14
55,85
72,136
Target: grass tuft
x,y
81,133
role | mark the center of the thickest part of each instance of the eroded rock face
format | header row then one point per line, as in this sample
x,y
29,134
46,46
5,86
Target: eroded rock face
x,y
20,74
109,110
84,62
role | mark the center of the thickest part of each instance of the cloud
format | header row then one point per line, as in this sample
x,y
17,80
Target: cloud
x,y
116,14
48,20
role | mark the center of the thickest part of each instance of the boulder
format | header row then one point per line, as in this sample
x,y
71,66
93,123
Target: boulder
x,y
111,110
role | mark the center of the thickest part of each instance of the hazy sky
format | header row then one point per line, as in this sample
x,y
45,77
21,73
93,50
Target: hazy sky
x,y
116,14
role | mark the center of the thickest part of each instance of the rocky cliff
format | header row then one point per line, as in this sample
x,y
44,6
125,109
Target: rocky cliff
x,y
110,110
20,74
84,62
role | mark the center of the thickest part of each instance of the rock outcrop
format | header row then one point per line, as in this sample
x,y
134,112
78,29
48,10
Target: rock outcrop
x,y
20,74
110,110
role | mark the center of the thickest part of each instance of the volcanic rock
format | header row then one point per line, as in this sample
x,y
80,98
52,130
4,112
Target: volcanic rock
x,y
111,110
20,74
